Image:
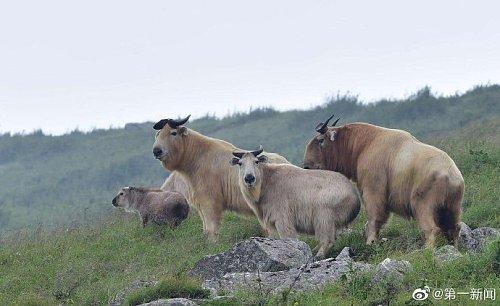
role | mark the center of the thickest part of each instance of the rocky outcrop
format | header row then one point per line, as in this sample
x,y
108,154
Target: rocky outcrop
x,y
254,254
474,240
306,277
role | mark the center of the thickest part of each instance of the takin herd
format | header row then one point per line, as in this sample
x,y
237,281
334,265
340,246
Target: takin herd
x,y
389,169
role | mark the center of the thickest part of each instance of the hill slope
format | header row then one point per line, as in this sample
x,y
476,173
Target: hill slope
x,y
55,179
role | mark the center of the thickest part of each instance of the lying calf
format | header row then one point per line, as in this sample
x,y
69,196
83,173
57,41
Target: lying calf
x,y
289,199
161,207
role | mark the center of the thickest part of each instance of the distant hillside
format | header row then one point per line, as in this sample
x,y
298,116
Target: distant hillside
x,y
53,179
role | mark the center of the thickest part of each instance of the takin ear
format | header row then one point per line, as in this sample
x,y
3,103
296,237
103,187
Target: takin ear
x,y
262,158
234,161
182,130
333,135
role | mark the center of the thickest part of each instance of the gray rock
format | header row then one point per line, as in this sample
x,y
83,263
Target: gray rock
x,y
254,254
447,253
120,297
474,240
344,255
307,277
390,269
171,302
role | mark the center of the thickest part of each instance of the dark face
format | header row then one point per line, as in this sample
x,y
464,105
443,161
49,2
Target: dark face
x,y
319,149
122,198
169,145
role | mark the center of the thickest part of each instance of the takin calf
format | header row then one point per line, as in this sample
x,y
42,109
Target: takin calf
x,y
289,199
161,207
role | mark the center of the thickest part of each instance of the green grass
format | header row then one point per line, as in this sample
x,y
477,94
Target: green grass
x,y
173,287
88,265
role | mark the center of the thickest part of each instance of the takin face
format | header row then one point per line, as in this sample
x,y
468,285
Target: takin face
x,y
170,141
250,172
320,151
123,200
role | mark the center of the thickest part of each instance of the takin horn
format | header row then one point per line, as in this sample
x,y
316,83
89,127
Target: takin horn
x,y
238,154
257,152
171,122
322,127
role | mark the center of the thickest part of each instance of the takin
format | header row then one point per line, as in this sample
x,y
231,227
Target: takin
x,y
160,207
291,200
395,173
201,162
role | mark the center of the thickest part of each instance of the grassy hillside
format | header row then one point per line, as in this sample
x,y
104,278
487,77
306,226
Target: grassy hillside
x,y
88,265
71,178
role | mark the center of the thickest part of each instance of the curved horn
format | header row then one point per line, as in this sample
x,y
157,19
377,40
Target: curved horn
x,y
238,154
160,124
333,124
175,123
257,152
322,127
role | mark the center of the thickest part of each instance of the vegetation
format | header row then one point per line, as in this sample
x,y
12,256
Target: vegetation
x,y
86,262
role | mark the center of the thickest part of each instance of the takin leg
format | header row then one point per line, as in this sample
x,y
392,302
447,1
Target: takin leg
x,y
425,215
325,234
286,229
211,220
377,214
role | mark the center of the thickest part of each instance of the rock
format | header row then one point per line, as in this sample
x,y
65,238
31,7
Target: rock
x,y
482,234
254,254
474,240
344,255
120,297
391,269
171,302
447,253
307,277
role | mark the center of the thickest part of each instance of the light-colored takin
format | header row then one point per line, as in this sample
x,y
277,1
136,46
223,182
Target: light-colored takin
x,y
201,161
156,205
395,173
290,200
174,182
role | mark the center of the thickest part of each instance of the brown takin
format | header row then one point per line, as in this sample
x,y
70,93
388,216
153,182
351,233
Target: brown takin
x,y
290,200
202,163
395,173
160,207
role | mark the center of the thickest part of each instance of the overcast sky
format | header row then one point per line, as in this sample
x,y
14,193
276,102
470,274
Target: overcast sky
x,y
90,64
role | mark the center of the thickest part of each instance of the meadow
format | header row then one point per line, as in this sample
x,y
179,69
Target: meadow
x,y
86,258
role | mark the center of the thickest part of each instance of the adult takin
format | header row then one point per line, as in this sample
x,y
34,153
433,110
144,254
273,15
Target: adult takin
x,y
201,162
156,205
395,173
290,200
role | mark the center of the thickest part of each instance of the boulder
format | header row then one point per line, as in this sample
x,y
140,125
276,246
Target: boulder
x,y
307,277
447,253
254,254
474,240
390,269
171,302
344,255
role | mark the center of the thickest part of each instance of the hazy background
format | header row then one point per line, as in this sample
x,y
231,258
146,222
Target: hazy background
x,y
67,64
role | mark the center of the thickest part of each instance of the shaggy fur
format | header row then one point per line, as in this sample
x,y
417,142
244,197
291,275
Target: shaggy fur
x,y
202,162
291,200
395,173
152,204
174,182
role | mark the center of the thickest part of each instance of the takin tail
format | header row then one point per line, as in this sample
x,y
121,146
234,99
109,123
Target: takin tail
x,y
448,208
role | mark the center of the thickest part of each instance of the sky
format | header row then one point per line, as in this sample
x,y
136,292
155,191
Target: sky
x,y
99,64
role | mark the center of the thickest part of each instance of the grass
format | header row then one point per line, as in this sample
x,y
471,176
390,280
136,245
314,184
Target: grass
x,y
89,265
172,287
